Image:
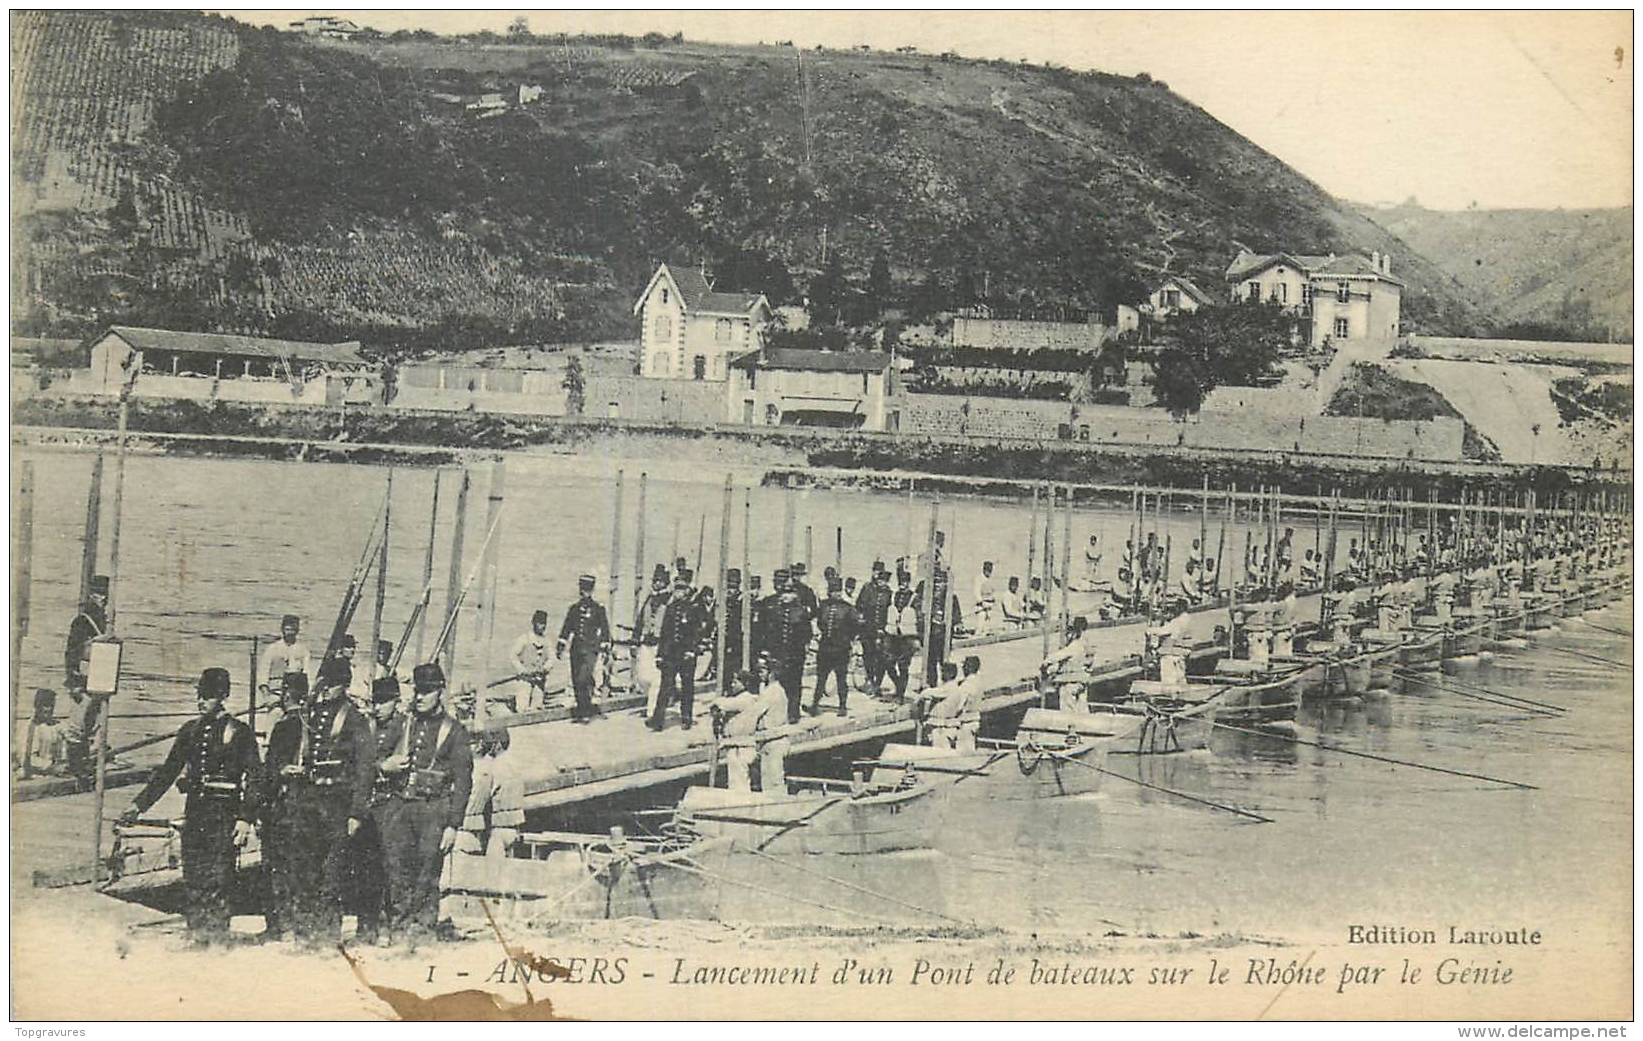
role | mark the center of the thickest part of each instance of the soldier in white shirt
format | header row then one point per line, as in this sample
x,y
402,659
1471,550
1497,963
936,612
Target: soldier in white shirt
x,y
986,594
754,727
956,718
530,657
284,658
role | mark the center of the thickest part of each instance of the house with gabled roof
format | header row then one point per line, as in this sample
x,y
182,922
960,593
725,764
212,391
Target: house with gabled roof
x,y
690,330
1175,295
176,364
852,389
1346,300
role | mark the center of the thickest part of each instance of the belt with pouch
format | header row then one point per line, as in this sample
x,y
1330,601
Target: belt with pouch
x,y
325,773
214,790
427,784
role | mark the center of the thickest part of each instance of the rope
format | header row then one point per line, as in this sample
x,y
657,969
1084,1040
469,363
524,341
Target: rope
x,y
1449,681
1436,685
1595,659
1606,629
696,869
1168,791
860,889
1378,758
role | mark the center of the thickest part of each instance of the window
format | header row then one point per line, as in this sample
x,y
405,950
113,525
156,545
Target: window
x,y
1306,294
1341,329
1170,299
658,364
721,331
772,415
864,383
699,367
1343,292
1280,292
664,294
663,325
1254,291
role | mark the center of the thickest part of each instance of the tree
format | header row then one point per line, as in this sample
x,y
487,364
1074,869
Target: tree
x,y
1179,381
575,385
1219,346
519,28
880,289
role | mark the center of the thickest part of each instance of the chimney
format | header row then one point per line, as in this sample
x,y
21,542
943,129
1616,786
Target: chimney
x,y
1375,261
1386,263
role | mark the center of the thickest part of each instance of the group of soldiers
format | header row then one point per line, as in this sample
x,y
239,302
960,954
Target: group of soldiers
x,y
356,806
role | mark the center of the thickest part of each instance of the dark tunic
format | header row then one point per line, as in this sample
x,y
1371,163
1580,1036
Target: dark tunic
x,y
430,795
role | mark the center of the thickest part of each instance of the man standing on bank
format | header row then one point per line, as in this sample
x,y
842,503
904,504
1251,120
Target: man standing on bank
x,y
216,757
787,640
284,658
430,775
873,610
530,663
367,862
676,653
323,757
586,634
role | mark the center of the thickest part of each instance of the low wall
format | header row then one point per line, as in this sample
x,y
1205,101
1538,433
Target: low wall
x,y
1014,334
1249,429
533,393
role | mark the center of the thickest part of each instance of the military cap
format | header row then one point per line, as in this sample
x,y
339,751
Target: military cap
x,y
585,582
214,683
289,619
334,672
733,576
798,569
428,677
385,689
385,645
682,579
834,583
349,641
296,684
99,584
539,617
781,574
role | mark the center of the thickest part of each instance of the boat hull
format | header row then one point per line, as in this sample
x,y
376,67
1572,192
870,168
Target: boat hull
x,y
1538,612
815,824
1042,766
1421,648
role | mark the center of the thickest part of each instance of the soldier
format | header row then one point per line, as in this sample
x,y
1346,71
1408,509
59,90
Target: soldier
x,y
676,654
322,754
586,634
530,663
751,721
755,618
430,778
90,623
985,594
216,757
367,861
787,640
282,659
733,626
837,625
807,596
647,676
900,641
872,609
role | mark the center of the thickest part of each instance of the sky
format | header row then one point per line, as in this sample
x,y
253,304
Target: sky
x,y
1455,109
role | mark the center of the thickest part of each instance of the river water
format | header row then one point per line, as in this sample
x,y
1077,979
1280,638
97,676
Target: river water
x,y
214,551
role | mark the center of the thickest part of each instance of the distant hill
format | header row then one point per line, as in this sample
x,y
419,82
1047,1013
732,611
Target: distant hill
x,y
190,171
1560,268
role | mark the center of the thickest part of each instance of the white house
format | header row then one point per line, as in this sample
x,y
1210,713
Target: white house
x,y
1347,300
1175,295
326,25
853,389
688,330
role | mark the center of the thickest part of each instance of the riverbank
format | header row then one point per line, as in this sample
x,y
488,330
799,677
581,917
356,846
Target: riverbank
x,y
369,434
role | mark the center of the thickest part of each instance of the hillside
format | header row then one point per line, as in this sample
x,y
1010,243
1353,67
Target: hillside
x,y
189,171
1569,269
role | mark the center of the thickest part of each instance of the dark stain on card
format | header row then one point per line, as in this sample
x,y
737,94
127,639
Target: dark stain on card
x,y
466,1006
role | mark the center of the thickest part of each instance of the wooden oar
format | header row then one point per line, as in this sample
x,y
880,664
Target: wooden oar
x,y
1160,788
1371,755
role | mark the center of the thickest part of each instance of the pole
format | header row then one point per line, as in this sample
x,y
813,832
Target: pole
x,y
747,581
1048,590
639,563
101,781
382,574
787,528
838,550
615,547
950,623
701,545
1203,530
428,571
1032,539
719,602
94,514
809,547
1221,548
1066,563
23,575
251,709
1329,562
673,557
493,518
453,588
928,599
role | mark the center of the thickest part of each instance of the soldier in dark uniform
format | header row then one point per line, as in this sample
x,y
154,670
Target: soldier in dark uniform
x,y
90,623
787,641
873,610
732,663
275,867
807,596
942,600
837,626
367,861
216,757
755,620
430,776
676,654
323,758
586,634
